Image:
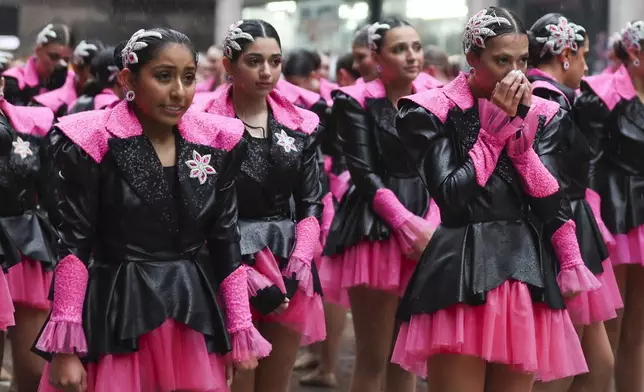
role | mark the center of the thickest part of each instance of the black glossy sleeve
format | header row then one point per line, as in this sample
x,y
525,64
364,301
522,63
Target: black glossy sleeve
x,y
355,137
308,189
224,235
448,174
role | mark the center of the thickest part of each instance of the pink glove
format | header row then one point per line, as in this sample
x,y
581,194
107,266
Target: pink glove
x,y
306,243
64,330
246,341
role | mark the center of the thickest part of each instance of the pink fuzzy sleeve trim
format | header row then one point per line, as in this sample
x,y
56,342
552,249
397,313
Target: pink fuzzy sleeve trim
x,y
485,154
573,277
306,244
537,180
389,208
64,330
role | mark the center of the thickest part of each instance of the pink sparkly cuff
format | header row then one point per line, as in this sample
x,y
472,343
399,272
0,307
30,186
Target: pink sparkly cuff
x,y
485,154
234,291
594,201
389,208
64,330
573,277
248,344
537,181
306,244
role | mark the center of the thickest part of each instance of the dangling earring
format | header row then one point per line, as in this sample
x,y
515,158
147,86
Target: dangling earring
x,y
636,62
566,65
130,95
379,68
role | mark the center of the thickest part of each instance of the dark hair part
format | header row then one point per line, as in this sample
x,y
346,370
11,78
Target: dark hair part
x,y
392,22
436,56
155,45
257,28
317,59
515,26
91,54
361,39
300,62
620,49
64,35
539,30
345,62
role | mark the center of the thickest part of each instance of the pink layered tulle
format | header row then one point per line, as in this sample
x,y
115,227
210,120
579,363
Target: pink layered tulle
x,y
172,357
264,273
248,344
628,249
507,329
577,279
600,305
29,284
328,213
339,184
6,304
305,313
301,270
62,337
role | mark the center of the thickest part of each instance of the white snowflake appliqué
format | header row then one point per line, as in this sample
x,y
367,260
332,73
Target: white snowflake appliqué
x,y
200,167
21,148
287,142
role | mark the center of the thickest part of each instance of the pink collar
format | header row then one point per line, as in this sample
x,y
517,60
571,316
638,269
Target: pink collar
x,y
297,95
28,119
64,95
25,75
284,111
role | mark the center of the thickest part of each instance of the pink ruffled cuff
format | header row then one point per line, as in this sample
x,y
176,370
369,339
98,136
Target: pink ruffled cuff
x,y
485,154
306,245
594,201
339,184
389,208
64,330
406,237
536,179
573,277
327,213
248,344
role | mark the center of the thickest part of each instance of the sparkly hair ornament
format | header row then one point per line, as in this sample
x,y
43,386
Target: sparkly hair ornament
x,y
133,45
632,34
373,36
562,35
46,34
82,51
477,31
5,58
114,72
230,41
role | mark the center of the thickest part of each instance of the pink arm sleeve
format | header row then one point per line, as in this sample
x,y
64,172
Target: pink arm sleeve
x,y
64,330
247,343
485,154
306,243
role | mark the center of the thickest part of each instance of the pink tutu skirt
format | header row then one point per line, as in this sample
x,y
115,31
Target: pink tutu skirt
x,y
6,304
29,284
305,313
629,248
599,305
172,357
380,265
509,329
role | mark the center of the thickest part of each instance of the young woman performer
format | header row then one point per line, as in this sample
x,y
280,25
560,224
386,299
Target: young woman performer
x,y
103,89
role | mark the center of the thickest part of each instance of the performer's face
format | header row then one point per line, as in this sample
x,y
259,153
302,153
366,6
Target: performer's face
x,y
501,55
165,86
50,56
363,63
401,54
258,68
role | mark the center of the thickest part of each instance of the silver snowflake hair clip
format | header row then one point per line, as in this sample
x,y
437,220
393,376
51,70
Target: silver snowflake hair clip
x,y
477,29
46,34
632,34
562,35
133,45
114,73
373,36
230,41
82,51
5,58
